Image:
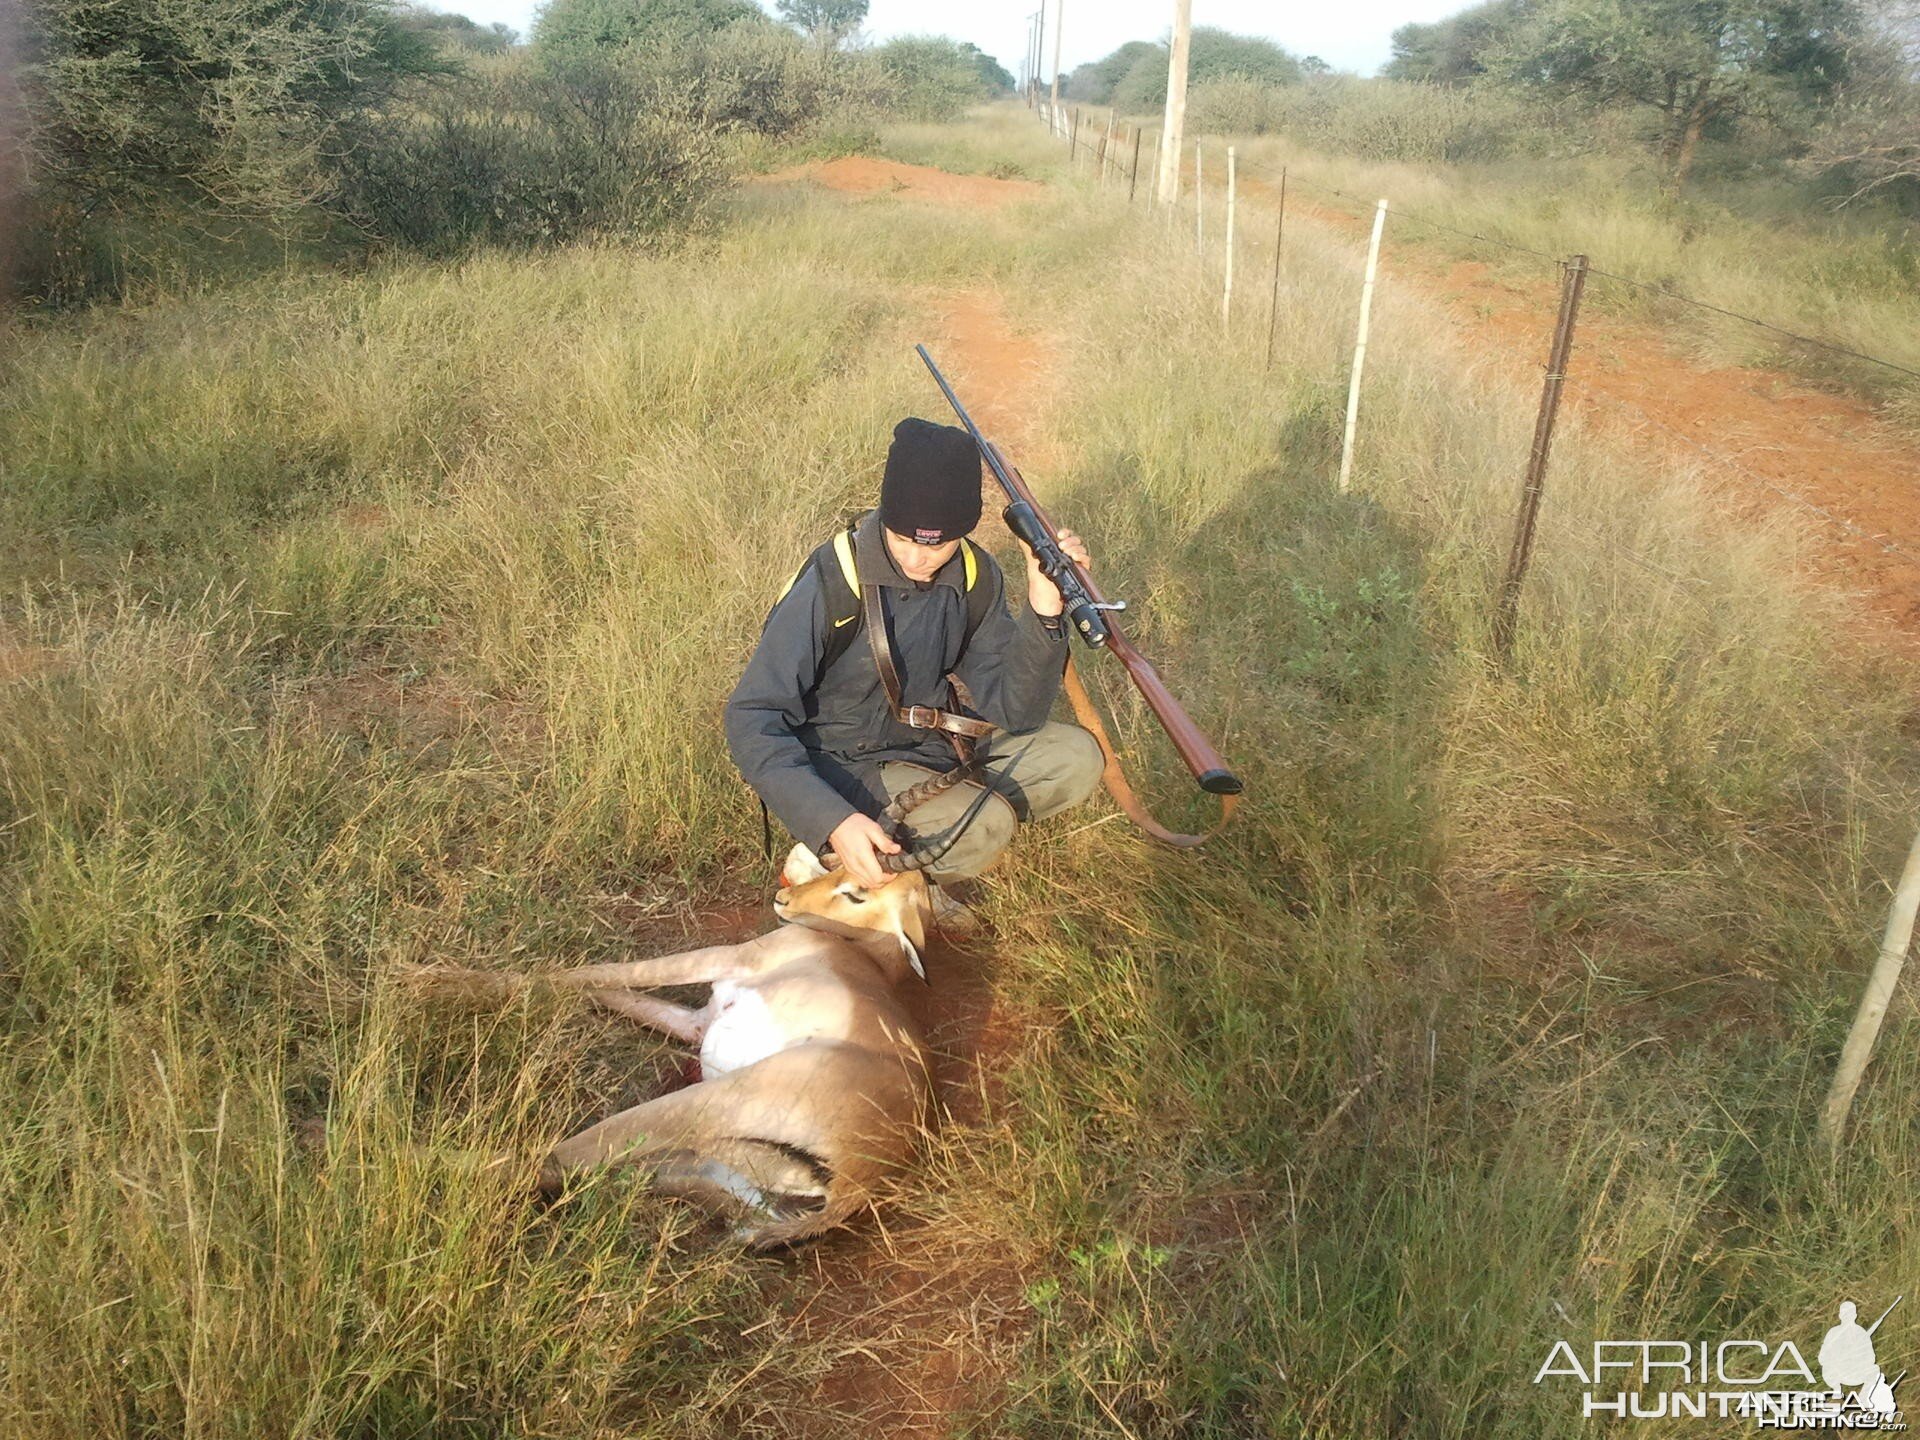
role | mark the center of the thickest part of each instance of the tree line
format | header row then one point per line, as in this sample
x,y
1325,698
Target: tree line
x,y
1831,87
146,135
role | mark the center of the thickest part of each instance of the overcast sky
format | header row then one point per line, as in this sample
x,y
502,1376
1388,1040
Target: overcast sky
x,y
1352,35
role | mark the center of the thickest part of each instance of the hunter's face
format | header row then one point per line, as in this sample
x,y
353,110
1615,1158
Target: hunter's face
x,y
916,561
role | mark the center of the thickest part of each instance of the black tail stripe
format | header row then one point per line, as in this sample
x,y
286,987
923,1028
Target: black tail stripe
x,y
815,1165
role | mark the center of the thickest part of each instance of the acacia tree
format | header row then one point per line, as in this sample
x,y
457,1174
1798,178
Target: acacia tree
x,y
227,105
580,28
828,22
1695,62
936,78
1453,51
1872,138
1212,54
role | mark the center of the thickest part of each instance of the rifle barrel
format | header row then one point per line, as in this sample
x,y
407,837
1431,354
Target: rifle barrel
x,y
1884,1313
1090,609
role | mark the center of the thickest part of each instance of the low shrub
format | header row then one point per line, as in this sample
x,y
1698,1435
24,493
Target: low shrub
x,y
522,155
1386,120
931,77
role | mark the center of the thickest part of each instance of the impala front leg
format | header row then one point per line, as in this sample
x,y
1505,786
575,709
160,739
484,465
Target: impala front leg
x,y
679,1021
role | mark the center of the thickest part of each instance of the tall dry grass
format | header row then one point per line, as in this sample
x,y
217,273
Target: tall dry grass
x,y
357,620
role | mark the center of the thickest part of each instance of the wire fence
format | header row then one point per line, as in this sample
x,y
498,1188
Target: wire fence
x,y
1574,272
1106,156
1664,292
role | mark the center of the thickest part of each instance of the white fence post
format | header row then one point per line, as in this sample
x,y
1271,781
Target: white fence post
x,y
1360,344
1873,1004
1199,206
1226,294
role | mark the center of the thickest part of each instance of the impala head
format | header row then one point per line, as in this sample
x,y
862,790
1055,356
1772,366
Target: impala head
x,y
834,901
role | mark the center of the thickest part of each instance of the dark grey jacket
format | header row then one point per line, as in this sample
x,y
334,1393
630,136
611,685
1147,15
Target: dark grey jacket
x,y
812,744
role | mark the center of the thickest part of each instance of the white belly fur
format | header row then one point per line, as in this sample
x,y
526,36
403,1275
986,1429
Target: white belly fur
x,y
742,1032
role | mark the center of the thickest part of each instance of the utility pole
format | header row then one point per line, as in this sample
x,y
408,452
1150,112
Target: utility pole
x,y
1173,130
1039,40
1039,54
1059,22
1026,65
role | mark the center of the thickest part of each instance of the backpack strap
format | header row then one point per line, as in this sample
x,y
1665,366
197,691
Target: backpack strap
x,y
835,557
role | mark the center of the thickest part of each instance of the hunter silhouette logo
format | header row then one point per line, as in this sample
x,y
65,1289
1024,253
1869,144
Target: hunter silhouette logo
x,y
1766,1381
1847,1361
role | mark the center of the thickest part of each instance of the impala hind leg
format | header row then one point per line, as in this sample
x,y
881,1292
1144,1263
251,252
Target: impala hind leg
x,y
691,967
674,1138
626,1138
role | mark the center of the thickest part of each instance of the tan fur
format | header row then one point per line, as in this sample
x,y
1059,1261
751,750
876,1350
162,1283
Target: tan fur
x,y
797,1141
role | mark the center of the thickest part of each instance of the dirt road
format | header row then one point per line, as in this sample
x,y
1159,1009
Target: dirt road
x,y
1766,441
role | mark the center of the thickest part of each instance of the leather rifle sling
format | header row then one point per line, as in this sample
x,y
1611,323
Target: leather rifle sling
x,y
1115,778
956,728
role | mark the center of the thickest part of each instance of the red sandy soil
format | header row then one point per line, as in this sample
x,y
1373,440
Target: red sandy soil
x,y
1771,432
863,175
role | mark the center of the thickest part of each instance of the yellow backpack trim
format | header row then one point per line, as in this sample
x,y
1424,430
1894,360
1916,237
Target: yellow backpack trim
x,y
843,551
843,548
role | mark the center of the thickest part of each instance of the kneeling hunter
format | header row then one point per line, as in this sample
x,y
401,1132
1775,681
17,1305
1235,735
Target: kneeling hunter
x,y
828,724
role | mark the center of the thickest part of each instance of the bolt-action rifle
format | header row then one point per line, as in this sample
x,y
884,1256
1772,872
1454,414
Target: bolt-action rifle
x,y
1092,616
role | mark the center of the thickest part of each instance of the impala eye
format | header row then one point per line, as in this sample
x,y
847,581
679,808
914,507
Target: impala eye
x,y
856,895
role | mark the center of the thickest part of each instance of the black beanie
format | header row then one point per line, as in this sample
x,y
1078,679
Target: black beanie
x,y
931,493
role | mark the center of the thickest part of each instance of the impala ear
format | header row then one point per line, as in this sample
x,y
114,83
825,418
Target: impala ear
x,y
913,956
913,920
802,865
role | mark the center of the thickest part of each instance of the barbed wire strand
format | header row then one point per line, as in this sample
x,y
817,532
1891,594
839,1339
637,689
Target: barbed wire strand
x,y
1795,335
1754,475
1692,587
1403,213
1716,457
1661,290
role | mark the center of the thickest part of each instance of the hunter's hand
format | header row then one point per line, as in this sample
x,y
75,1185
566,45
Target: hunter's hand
x,y
1042,594
858,840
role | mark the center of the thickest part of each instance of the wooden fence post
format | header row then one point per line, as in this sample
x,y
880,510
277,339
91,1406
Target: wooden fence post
x,y
1873,1004
1360,345
1573,280
1133,170
1159,138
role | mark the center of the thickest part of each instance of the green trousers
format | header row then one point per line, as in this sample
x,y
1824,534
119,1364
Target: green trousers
x,y
1031,775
